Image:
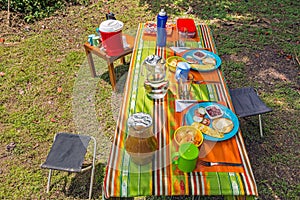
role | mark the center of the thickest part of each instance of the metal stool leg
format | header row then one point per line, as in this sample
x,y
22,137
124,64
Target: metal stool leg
x,y
260,126
49,180
93,167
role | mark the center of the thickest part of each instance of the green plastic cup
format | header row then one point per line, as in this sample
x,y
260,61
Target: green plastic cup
x,y
187,157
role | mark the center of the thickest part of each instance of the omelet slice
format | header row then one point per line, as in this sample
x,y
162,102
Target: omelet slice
x,y
207,130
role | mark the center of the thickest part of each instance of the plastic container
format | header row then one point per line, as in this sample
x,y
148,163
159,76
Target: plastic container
x,y
182,71
187,156
186,27
214,111
111,34
161,28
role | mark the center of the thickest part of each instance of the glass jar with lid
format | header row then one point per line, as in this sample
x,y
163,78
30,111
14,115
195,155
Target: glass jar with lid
x,y
141,143
156,83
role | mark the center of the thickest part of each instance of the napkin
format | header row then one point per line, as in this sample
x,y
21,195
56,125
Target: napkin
x,y
182,104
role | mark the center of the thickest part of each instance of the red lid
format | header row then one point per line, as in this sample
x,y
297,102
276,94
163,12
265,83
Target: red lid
x,y
186,24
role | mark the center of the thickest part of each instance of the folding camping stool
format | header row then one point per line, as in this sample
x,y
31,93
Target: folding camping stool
x,y
246,102
67,154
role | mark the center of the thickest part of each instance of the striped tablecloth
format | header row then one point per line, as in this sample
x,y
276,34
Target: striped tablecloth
x,y
161,177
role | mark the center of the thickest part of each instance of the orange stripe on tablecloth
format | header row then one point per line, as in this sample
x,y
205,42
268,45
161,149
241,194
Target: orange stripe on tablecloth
x,y
206,187
167,146
205,76
206,33
220,93
250,177
166,155
211,39
170,122
156,128
158,156
161,145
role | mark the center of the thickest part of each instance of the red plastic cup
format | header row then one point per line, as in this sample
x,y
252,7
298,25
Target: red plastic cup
x,y
111,34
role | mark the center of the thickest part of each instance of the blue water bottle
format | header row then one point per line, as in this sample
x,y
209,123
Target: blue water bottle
x,y
161,28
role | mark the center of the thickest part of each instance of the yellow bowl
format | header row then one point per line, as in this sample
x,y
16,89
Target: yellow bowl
x,y
189,134
172,62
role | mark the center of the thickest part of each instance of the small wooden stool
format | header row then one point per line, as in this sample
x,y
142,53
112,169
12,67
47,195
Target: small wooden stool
x,y
109,59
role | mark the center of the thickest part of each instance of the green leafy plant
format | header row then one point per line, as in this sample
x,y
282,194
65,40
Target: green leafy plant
x,y
38,9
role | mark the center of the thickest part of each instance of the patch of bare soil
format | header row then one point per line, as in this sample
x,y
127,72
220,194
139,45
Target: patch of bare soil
x,y
272,66
269,67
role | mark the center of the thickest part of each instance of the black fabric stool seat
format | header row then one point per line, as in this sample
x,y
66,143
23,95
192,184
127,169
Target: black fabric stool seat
x,y
67,154
246,102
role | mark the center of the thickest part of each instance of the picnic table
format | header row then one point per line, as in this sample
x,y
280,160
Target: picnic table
x,y
161,177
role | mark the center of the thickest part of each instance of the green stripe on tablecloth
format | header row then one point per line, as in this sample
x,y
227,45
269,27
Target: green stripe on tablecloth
x,y
139,179
213,96
200,43
225,183
239,198
150,50
219,183
171,109
212,183
205,92
200,91
196,92
236,189
144,104
191,44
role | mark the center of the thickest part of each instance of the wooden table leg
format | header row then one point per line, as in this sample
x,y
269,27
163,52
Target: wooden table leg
x,y
91,62
112,75
123,60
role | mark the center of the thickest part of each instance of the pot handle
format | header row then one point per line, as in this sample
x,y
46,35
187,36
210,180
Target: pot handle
x,y
174,155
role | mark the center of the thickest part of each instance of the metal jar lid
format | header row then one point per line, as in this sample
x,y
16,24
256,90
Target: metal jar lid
x,y
139,121
153,60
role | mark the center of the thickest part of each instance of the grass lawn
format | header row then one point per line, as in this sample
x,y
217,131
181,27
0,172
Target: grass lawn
x,y
46,88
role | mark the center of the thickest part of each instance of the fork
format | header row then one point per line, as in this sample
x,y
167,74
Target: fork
x,y
210,164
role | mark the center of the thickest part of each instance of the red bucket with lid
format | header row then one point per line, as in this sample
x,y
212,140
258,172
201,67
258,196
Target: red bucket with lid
x,y
111,34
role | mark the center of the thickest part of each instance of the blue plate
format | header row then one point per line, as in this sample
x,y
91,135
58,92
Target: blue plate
x,y
227,114
190,54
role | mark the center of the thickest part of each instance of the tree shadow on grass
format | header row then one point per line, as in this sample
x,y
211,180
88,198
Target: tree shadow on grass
x,y
80,184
